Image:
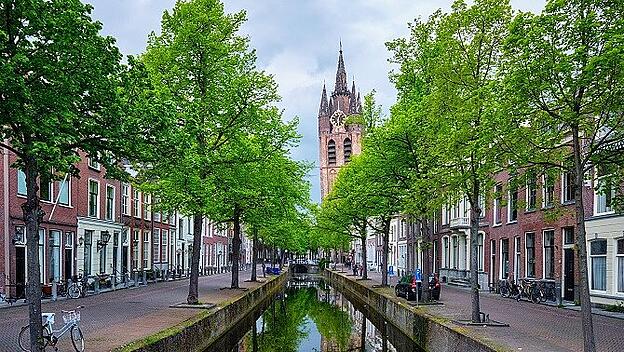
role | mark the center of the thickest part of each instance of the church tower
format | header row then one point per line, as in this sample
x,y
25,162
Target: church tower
x,y
338,139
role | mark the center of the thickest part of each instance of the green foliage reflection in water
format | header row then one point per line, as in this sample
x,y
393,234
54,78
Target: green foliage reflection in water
x,y
286,322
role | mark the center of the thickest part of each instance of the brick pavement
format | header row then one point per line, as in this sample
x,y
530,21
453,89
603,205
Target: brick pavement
x,y
532,327
116,318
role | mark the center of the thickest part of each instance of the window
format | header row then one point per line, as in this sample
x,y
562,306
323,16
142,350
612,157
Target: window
x,y
64,186
446,254
88,242
94,190
498,190
41,254
125,199
165,241
568,235
93,164
481,206
548,191
137,204
446,215
567,187
549,254
531,192
69,239
21,183
455,252
480,252
55,257
620,265
604,192
136,242
331,152
512,207
156,244
45,188
598,256
530,254
110,202
347,150
181,229
147,213
517,248
504,273
146,249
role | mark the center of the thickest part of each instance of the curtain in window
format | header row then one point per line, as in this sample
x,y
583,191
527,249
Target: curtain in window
x,y
599,273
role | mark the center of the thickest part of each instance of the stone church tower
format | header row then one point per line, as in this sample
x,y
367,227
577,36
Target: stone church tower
x,y
338,140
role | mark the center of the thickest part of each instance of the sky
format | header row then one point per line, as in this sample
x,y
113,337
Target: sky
x,y
297,41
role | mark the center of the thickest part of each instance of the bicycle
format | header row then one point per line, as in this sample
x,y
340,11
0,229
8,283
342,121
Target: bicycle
x,y
71,319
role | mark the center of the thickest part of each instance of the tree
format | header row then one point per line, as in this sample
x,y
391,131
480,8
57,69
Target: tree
x,y
206,71
462,52
564,85
63,90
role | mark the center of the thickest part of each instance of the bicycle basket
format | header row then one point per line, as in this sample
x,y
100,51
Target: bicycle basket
x,y
72,317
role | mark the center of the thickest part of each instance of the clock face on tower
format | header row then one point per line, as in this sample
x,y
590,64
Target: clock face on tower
x,y
337,119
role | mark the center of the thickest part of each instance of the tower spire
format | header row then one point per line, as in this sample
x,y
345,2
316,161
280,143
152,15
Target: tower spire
x,y
324,108
341,85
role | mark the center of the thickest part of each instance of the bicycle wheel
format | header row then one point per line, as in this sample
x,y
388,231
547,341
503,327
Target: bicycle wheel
x,y
73,291
543,296
535,295
24,338
77,339
504,292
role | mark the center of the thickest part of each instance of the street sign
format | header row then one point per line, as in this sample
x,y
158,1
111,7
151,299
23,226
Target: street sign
x,y
418,275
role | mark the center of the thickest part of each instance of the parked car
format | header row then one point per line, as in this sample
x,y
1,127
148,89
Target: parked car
x,y
407,286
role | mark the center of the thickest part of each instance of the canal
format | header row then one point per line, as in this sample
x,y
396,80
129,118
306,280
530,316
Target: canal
x,y
309,315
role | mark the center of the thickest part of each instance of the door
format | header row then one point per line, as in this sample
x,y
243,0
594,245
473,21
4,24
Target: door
x,y
20,271
124,259
568,282
67,264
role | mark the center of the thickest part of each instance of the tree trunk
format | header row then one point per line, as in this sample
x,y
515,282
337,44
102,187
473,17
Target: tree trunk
x,y
385,247
427,258
364,264
32,218
236,242
254,256
589,343
475,212
193,296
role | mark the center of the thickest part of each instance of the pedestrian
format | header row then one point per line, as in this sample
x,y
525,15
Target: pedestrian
x,y
361,267
355,269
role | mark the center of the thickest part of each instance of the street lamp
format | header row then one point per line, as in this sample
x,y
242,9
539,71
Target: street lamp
x,y
103,241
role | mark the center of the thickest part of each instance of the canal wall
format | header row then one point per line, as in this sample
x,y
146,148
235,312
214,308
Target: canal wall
x,y
198,333
429,332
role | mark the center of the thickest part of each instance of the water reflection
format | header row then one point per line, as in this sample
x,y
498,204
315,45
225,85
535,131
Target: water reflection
x,y
312,316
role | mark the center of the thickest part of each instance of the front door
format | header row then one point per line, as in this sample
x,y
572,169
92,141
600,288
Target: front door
x,y
124,259
20,271
68,264
568,282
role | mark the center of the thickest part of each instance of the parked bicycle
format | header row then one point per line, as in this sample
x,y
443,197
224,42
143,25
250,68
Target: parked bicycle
x,y
71,320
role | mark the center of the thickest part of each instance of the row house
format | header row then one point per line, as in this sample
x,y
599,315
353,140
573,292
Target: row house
x,y
528,230
93,225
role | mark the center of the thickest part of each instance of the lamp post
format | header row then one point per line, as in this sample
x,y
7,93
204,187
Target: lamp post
x,y
219,261
104,239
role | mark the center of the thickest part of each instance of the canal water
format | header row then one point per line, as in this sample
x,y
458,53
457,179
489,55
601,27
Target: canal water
x,y
308,315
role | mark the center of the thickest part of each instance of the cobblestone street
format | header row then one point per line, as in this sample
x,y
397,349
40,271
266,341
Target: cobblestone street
x,y
116,318
532,327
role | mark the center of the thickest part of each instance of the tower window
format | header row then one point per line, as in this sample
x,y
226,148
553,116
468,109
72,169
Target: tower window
x,y
331,152
347,150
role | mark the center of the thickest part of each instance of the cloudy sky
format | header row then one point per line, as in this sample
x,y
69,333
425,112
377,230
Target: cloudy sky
x,y
297,42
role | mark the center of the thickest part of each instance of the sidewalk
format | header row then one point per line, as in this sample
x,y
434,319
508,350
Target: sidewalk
x,y
116,318
532,327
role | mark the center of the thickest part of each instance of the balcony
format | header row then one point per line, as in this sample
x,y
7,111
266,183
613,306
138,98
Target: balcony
x,y
460,223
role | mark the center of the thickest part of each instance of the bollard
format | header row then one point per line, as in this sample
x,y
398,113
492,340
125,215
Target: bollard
x,y
144,278
54,293
97,286
136,279
558,293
